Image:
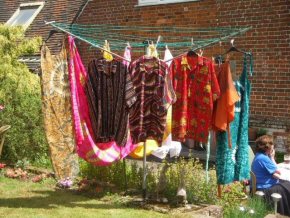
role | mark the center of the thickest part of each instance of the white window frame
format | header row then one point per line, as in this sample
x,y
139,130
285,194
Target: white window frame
x,y
161,2
16,13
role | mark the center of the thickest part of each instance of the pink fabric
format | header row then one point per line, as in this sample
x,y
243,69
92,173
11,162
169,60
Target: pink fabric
x,y
127,55
100,154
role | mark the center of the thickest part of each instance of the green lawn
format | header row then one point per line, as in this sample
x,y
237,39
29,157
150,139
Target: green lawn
x,y
28,199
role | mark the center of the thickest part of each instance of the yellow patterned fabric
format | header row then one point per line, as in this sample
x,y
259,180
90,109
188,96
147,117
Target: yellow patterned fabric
x,y
106,55
56,108
153,51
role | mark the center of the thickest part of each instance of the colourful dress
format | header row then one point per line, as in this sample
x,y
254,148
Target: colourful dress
x,y
196,88
56,108
224,107
233,163
148,114
96,153
110,94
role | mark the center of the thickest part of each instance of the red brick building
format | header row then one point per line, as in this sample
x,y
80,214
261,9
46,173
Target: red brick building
x,y
269,38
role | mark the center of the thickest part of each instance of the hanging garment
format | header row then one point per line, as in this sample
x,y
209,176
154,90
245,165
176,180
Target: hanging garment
x,y
148,114
233,163
196,88
110,94
224,107
168,146
56,108
87,148
151,145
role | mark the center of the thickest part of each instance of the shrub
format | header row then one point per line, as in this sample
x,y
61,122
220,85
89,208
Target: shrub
x,y
198,189
20,93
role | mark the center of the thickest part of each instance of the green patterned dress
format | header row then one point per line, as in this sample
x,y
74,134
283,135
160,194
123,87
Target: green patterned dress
x,y
232,164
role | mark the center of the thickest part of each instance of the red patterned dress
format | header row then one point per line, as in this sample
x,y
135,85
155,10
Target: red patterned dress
x,y
196,88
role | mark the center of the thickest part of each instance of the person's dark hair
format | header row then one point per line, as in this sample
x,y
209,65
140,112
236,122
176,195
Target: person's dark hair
x,y
263,143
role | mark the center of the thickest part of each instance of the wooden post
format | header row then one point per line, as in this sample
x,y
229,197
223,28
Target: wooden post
x,y
144,188
219,191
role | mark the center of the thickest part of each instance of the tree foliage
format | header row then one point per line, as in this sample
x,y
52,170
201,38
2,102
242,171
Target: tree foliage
x,y
20,93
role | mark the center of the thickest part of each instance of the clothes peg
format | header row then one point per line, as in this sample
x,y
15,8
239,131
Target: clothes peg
x,y
200,52
106,54
152,50
127,55
232,42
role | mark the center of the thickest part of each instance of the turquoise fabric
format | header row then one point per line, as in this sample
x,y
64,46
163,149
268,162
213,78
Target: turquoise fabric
x,y
232,164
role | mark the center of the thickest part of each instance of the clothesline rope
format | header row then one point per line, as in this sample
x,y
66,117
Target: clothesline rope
x,y
176,38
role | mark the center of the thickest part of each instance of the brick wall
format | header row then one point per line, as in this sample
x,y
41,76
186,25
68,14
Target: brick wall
x,y
270,43
269,40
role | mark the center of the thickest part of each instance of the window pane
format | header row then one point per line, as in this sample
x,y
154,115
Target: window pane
x,y
153,2
23,17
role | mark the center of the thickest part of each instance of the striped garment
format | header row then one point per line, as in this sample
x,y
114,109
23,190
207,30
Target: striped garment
x,y
110,94
152,86
99,154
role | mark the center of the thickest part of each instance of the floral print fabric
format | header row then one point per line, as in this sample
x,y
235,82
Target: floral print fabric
x,y
196,88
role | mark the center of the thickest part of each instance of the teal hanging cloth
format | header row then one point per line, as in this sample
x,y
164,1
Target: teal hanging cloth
x,y
232,164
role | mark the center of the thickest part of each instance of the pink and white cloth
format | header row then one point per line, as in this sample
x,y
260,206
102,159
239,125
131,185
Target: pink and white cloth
x,y
100,154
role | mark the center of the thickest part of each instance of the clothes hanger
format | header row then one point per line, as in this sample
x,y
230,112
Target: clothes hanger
x,y
158,40
146,46
219,59
50,34
233,49
192,52
128,45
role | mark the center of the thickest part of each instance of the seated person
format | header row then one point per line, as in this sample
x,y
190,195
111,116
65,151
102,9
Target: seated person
x,y
284,168
268,176
264,165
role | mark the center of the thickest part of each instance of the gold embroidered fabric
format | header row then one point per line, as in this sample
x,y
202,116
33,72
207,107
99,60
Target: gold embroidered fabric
x,y
56,108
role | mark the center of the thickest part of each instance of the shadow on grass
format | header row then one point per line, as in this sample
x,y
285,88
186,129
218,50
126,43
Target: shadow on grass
x,y
58,198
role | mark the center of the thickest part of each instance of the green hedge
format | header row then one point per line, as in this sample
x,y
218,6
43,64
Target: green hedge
x,y
20,93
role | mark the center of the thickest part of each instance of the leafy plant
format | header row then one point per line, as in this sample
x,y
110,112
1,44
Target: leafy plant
x,y
261,132
21,95
22,163
197,188
254,207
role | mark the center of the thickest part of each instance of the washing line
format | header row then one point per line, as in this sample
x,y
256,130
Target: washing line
x,y
174,37
52,23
